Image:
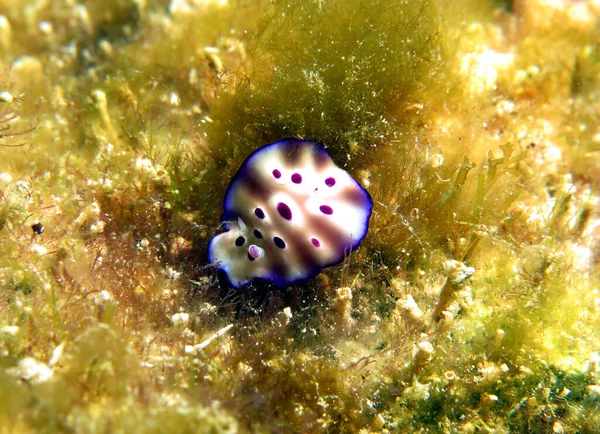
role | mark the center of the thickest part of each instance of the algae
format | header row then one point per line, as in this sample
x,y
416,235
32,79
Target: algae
x,y
471,306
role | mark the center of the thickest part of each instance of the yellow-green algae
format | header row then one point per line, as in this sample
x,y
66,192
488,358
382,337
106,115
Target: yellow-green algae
x,y
472,306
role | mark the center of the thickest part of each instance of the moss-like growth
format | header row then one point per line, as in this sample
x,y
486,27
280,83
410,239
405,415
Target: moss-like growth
x,y
471,306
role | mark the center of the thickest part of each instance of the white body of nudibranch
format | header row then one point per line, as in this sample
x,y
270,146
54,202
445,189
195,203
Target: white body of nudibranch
x,y
289,212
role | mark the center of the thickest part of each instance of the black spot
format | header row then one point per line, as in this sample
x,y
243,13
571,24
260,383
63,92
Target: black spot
x,y
250,257
257,233
37,228
240,241
279,242
259,213
326,209
296,178
284,211
276,173
330,182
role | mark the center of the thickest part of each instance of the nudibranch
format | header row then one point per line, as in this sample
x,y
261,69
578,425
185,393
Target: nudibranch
x,y
289,212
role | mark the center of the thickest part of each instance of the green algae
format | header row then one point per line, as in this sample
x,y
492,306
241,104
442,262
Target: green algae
x,y
347,69
472,306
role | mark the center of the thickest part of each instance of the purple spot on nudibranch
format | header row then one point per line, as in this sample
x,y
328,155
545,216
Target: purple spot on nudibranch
x,y
259,213
276,173
257,233
279,242
284,211
240,241
326,209
296,178
315,242
255,252
330,182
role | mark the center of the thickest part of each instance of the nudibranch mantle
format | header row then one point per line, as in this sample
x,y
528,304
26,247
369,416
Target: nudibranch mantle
x,y
289,212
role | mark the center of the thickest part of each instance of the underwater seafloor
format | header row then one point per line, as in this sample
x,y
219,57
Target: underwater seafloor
x,y
473,304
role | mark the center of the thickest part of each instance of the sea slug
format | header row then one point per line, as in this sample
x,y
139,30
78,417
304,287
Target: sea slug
x,y
289,212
